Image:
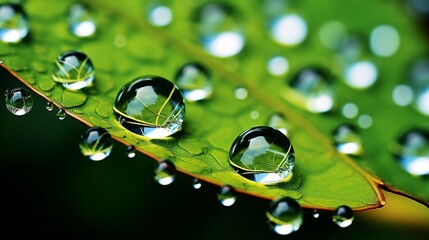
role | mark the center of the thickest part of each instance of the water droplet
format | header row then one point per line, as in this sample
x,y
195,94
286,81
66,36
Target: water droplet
x,y
419,82
227,195
263,154
278,121
412,151
13,23
241,93
219,29
343,216
361,75
313,89
96,143
165,172
347,140
352,48
49,106
81,20
131,151
365,121
278,65
333,35
61,114
254,115
160,15
284,215
288,29
18,101
120,41
402,95
74,70
194,81
196,183
384,41
316,213
350,110
150,106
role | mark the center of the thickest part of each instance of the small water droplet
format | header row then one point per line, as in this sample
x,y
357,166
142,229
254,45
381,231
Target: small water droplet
x,y
312,89
254,115
418,80
49,106
81,20
284,215
219,29
402,95
96,143
316,213
18,101
384,41
343,216
411,150
61,114
150,106
196,183
263,154
160,15
361,75
194,81
365,121
165,172
74,70
333,35
288,29
14,25
131,151
227,195
278,65
347,140
350,110
278,121
120,41
241,93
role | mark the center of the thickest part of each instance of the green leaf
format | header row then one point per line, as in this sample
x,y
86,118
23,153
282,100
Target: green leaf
x,y
126,46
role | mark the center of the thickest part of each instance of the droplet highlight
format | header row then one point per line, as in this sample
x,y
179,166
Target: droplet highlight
x,y
347,139
278,66
227,195
350,110
285,215
74,70
18,101
14,26
263,154
49,106
365,121
361,75
194,81
288,29
160,15
96,143
384,40
131,151
402,95
343,216
165,172
150,106
279,122
81,20
196,183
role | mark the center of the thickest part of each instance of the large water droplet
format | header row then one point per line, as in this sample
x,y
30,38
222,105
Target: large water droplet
x,y
288,29
219,29
165,172
74,70
18,101
96,143
81,20
263,154
13,23
411,150
312,89
419,82
278,121
347,140
343,216
384,41
333,35
284,215
193,80
361,75
150,106
227,195
278,65
159,15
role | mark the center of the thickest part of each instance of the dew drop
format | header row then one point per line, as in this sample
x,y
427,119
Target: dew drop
x,y
14,25
278,66
18,101
131,151
160,15
165,172
194,81
361,75
227,195
74,70
61,114
49,106
343,216
81,21
350,110
411,150
347,140
316,213
284,215
263,154
120,41
333,35
279,122
219,29
241,93
96,143
196,183
313,89
365,121
384,41
254,115
288,29
419,83
402,95
150,106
